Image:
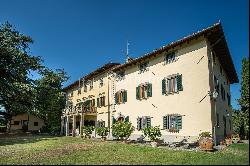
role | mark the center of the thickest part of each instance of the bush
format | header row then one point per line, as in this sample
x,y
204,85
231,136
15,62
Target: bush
x,y
152,132
102,131
122,130
205,134
87,130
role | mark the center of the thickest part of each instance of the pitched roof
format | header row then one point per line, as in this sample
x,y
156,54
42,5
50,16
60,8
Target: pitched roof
x,y
216,37
92,74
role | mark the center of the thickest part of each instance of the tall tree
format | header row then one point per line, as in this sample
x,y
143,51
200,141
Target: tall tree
x,y
17,92
244,99
50,99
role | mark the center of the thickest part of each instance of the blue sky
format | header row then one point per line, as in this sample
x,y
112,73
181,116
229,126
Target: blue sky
x,y
81,35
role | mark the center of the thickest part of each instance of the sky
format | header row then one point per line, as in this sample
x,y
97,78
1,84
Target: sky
x,y
82,35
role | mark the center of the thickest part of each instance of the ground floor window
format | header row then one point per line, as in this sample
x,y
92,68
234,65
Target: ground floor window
x,y
143,122
172,122
35,123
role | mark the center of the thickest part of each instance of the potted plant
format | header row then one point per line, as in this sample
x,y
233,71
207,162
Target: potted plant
x,y
103,132
205,141
122,130
87,130
228,140
235,138
153,133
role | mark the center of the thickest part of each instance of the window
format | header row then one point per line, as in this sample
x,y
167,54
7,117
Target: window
x,y
144,91
218,120
85,87
120,75
223,93
143,122
90,84
101,101
143,67
170,58
35,123
16,122
121,97
172,122
172,84
101,82
72,94
228,99
79,91
216,84
89,105
100,123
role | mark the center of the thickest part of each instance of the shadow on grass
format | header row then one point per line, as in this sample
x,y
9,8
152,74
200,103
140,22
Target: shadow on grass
x,y
23,139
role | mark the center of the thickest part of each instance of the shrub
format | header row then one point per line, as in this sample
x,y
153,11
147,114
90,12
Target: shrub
x,y
122,130
87,130
205,134
102,131
152,132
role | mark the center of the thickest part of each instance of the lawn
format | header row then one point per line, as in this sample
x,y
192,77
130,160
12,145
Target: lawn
x,y
68,150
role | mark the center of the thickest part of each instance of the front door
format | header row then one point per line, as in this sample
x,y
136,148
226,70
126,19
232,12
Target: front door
x,y
25,125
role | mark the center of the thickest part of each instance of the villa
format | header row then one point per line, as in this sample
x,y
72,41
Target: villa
x,y
183,87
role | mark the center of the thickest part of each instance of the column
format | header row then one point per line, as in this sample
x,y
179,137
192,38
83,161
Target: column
x,y
81,124
67,125
62,125
74,125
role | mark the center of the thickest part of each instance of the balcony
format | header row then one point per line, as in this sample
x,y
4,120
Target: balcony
x,y
89,110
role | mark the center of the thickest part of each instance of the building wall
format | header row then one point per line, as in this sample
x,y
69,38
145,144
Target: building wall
x,y
96,92
220,106
195,80
31,118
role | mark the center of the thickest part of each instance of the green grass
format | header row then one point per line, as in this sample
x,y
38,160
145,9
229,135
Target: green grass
x,y
68,150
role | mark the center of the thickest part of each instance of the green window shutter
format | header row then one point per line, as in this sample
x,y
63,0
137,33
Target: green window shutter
x,y
116,98
164,122
113,120
149,90
179,122
127,119
138,123
163,86
137,92
179,82
148,121
98,102
103,101
93,102
124,96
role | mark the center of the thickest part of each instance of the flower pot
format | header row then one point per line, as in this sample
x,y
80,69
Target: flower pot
x,y
154,144
206,143
228,141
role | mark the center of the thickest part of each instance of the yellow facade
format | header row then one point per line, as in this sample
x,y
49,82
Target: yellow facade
x,y
26,121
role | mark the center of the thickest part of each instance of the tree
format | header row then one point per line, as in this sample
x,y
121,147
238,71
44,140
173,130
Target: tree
x,y
17,92
50,99
241,118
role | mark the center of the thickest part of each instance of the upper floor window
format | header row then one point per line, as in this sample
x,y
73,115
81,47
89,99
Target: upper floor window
x,y
143,91
223,93
101,101
172,122
91,84
85,86
170,57
101,82
89,105
143,122
120,75
72,94
121,97
143,67
228,99
172,84
79,91
216,84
